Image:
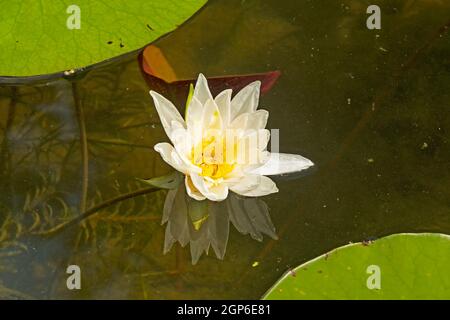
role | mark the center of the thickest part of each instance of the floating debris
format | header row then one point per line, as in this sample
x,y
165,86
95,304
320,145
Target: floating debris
x,y
293,273
69,72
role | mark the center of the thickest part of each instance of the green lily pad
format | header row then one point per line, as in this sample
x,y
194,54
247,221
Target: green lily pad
x,y
401,266
36,38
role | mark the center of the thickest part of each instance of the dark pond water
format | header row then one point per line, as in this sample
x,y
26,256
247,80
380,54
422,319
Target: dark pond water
x,y
369,107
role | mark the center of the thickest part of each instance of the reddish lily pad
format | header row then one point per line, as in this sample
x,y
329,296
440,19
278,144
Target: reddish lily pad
x,y
161,78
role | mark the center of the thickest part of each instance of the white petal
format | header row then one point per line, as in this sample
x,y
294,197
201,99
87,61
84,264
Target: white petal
x,y
193,192
258,119
223,101
182,141
246,100
201,90
245,184
264,186
211,116
219,192
240,122
167,112
263,157
212,192
178,138
171,157
194,113
251,145
282,163
263,138
250,122
255,139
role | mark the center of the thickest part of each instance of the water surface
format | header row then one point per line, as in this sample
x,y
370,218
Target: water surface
x,y
369,107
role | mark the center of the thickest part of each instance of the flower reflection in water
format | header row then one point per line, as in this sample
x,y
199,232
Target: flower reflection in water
x,y
205,224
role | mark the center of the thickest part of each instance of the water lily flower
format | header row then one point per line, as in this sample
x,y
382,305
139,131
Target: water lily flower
x,y
221,145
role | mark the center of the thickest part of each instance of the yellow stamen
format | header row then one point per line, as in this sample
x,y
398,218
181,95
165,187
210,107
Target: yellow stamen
x,y
211,156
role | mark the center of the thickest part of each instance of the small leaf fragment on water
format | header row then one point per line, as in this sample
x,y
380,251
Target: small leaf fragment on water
x,y
170,181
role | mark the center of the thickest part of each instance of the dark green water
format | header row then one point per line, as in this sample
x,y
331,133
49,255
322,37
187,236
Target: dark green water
x,y
369,107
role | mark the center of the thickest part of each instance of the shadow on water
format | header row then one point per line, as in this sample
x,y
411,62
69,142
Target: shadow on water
x,y
370,108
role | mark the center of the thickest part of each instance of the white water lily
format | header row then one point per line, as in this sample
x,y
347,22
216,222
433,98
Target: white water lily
x,y
214,161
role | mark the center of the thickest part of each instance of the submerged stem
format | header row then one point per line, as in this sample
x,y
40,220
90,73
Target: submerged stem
x,y
83,144
86,214
5,158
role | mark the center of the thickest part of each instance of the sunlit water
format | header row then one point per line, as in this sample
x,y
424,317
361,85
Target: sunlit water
x,y
370,108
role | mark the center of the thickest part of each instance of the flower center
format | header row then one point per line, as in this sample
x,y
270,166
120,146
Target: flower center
x,y
216,171
215,157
